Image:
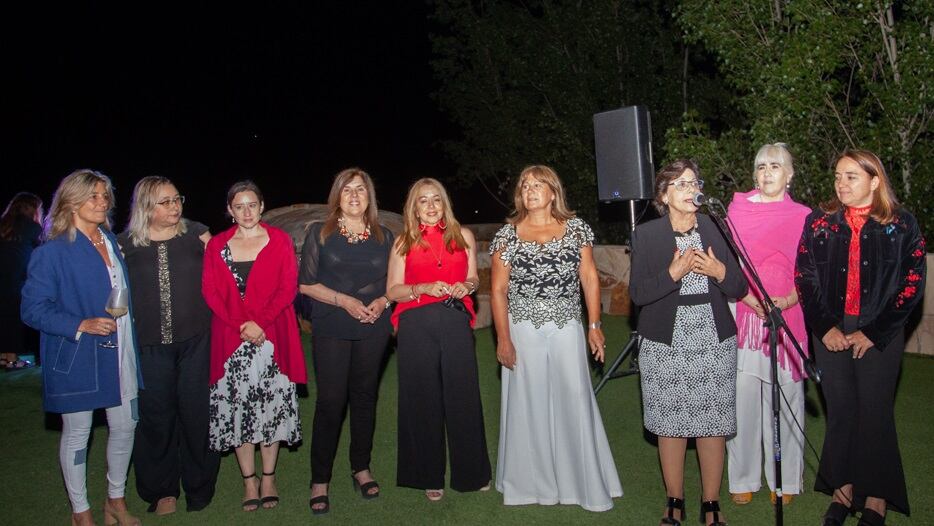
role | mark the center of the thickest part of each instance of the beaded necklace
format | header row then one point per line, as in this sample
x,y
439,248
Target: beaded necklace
x,y
352,237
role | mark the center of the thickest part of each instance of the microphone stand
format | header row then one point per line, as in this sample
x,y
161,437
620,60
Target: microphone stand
x,y
774,322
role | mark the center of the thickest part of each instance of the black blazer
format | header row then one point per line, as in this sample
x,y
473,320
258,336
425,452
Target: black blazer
x,y
891,275
651,286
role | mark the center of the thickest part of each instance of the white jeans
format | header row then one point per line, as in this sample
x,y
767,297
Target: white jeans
x,y
73,451
754,433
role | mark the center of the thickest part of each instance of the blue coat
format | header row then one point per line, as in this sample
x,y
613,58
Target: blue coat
x,y
67,283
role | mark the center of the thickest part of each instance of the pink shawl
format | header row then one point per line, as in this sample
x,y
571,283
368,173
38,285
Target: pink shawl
x,y
771,233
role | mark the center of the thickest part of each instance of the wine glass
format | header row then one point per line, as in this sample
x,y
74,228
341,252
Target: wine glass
x,y
117,305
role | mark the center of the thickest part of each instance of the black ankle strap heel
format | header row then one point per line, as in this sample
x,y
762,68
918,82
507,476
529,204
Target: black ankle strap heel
x,y
673,504
711,506
836,514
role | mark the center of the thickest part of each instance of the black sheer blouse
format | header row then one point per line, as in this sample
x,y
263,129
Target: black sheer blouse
x,y
357,270
165,284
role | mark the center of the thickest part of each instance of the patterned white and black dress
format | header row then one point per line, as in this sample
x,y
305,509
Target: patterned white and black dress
x,y
253,402
689,387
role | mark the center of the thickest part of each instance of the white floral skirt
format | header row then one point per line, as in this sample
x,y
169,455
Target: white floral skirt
x,y
253,402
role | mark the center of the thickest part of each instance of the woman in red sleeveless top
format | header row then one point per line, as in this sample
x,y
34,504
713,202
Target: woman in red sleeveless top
x,y
432,273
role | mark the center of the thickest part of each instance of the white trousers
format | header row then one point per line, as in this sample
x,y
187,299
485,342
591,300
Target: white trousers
x,y
754,435
552,445
73,451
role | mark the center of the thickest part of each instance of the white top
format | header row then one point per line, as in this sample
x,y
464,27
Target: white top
x,y
126,352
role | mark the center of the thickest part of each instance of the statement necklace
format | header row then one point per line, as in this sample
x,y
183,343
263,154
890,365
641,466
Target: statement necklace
x,y
353,237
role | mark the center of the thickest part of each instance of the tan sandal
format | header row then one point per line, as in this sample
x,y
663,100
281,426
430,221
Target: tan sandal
x,y
741,499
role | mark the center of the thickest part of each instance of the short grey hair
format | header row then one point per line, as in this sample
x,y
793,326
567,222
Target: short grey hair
x,y
774,153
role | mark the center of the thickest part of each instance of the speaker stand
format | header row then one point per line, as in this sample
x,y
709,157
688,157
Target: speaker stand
x,y
632,346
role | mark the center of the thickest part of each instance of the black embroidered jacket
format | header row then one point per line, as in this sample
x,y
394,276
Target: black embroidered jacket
x,y
892,273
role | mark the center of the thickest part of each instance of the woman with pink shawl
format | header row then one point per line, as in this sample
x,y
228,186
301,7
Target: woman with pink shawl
x,y
769,224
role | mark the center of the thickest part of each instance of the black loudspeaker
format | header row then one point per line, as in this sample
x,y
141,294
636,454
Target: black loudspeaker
x,y
623,141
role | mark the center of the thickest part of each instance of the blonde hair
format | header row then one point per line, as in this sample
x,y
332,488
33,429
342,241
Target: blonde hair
x,y
341,180
412,234
884,203
144,202
74,190
547,175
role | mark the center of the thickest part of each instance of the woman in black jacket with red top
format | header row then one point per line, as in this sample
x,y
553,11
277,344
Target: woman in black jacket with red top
x,y
860,273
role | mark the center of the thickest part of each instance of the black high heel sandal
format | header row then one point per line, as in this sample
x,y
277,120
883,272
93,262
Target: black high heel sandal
x,y
250,504
673,504
320,499
365,488
836,514
269,499
711,506
870,518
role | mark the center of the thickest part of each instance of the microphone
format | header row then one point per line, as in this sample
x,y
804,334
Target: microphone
x,y
700,200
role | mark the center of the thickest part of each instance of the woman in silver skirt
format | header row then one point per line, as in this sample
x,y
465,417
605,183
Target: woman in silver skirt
x,y
552,445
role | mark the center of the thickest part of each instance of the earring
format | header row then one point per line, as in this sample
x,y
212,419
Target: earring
x,y
232,220
787,186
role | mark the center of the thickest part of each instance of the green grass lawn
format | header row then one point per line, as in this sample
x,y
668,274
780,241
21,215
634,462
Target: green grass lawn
x,y
33,491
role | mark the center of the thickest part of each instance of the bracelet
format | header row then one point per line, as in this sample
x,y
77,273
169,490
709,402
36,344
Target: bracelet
x,y
413,295
388,301
596,325
335,299
473,287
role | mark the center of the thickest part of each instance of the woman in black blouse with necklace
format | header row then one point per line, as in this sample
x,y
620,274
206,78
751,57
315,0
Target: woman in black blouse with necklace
x,y
164,254
343,273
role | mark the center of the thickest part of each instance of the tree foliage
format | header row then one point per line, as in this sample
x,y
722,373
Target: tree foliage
x,y
522,80
819,75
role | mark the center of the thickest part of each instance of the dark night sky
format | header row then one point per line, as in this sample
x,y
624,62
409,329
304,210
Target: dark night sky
x,y
286,96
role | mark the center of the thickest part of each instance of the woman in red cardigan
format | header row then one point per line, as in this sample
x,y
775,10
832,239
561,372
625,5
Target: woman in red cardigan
x,y
250,280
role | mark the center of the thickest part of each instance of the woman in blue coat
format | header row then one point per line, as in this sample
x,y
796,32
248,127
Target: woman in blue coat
x,y
89,359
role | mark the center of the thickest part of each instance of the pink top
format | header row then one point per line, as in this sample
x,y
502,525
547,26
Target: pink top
x,y
771,233
433,263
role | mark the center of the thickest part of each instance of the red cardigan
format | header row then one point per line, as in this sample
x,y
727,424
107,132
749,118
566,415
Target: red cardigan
x,y
270,291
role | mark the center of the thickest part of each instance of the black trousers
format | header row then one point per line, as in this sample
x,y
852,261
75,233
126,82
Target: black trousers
x,y
439,394
861,443
172,434
344,370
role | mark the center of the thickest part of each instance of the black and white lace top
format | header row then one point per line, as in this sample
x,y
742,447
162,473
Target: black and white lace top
x,y
544,284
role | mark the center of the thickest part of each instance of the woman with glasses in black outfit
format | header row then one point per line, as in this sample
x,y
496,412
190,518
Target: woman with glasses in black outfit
x,y
164,254
683,274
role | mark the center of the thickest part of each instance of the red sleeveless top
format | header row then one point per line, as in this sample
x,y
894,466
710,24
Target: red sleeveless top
x,y
433,263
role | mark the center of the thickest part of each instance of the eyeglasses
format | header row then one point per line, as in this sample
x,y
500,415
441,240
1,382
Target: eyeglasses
x,y
683,185
180,200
